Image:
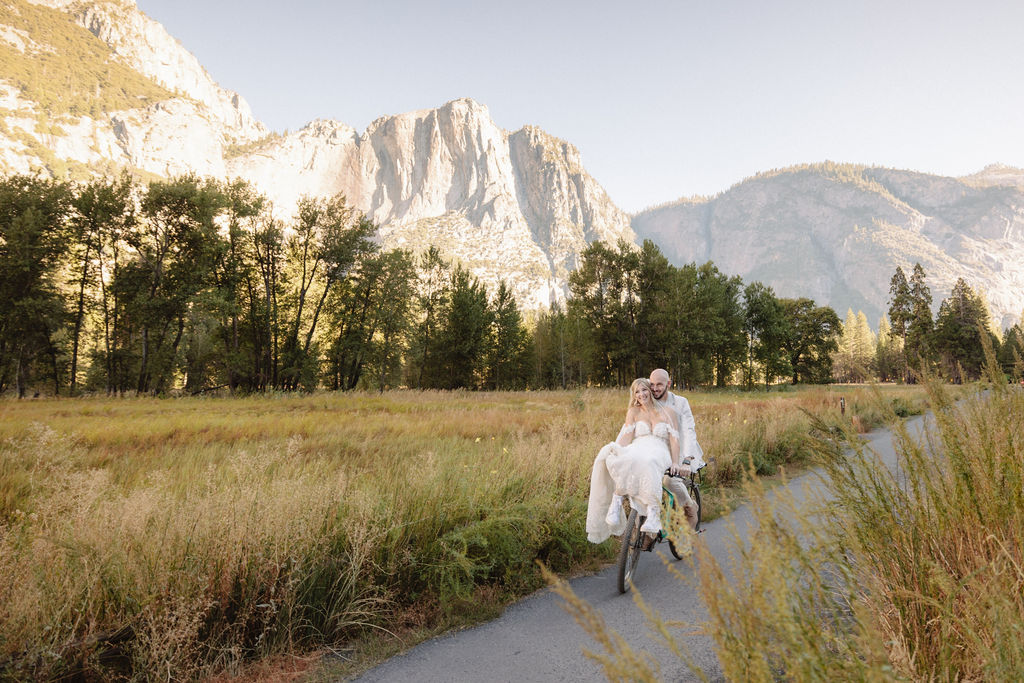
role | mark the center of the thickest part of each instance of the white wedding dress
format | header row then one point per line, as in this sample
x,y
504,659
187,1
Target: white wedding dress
x,y
635,470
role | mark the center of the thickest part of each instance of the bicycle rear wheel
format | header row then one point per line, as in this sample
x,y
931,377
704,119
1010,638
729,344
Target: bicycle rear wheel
x,y
629,553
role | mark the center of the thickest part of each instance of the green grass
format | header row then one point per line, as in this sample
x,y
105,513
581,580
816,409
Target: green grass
x,y
226,531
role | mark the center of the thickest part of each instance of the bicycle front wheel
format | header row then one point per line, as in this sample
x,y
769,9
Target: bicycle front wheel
x,y
629,553
672,546
695,494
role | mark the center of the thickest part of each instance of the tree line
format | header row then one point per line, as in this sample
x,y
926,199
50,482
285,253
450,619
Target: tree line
x,y
192,284
910,340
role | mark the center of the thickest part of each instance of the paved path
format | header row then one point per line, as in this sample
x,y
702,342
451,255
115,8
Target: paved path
x,y
536,640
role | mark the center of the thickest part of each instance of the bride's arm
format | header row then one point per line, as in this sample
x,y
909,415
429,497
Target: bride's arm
x,y
626,433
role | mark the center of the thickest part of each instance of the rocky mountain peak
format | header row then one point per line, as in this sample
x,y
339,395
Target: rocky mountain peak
x,y
515,206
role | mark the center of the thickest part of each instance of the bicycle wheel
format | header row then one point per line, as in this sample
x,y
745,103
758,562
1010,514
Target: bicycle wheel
x,y
695,494
629,553
671,545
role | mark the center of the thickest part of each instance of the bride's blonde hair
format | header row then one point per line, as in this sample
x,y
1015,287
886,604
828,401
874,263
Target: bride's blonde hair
x,y
640,382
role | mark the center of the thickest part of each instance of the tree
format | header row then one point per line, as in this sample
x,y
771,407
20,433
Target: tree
x,y
717,321
766,328
888,352
329,238
34,241
1011,351
393,320
559,350
508,353
464,334
597,291
175,247
434,289
102,212
811,339
370,314
900,304
263,240
963,318
236,293
918,348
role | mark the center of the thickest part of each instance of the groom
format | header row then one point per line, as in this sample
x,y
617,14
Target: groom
x,y
689,449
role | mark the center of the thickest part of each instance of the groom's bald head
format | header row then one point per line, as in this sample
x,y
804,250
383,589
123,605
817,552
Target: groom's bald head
x,y
660,383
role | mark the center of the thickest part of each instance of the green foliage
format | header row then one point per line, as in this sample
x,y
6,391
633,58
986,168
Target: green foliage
x,y
962,321
811,340
464,333
191,285
766,328
508,358
67,70
34,240
369,321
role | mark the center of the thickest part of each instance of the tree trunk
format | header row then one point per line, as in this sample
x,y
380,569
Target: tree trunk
x,y
78,320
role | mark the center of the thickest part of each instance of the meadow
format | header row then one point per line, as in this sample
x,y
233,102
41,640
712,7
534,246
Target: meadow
x,y
187,538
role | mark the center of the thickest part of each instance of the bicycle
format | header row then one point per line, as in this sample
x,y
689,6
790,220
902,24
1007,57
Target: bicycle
x,y
635,542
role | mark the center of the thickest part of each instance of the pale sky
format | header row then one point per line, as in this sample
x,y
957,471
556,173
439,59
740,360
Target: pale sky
x,y
663,99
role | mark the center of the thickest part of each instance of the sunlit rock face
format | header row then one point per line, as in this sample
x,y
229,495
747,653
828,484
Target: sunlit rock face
x,y
515,206
836,233
518,207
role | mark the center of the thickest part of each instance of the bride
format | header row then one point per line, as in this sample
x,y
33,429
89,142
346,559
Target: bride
x,y
633,465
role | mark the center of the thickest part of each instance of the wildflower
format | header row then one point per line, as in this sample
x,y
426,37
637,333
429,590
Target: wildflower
x,y
477,440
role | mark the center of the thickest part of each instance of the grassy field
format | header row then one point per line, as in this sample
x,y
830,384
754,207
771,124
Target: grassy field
x,y
188,538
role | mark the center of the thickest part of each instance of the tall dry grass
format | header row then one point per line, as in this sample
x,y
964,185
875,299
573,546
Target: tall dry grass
x,y
160,539
913,573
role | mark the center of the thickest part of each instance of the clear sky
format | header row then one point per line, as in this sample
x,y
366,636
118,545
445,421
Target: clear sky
x,y
663,99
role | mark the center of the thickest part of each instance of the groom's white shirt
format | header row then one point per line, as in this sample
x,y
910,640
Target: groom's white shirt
x,y
687,429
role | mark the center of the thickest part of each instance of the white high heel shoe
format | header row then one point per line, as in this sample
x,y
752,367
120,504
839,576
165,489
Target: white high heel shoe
x,y
614,516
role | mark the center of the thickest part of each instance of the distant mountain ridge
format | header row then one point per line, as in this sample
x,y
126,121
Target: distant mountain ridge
x,y
836,232
91,86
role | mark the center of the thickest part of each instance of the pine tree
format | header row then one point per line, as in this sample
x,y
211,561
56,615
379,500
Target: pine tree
x,y
900,304
507,356
464,334
962,319
918,345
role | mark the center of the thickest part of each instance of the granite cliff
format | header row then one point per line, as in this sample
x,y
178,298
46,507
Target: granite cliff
x,y
515,206
93,86
836,232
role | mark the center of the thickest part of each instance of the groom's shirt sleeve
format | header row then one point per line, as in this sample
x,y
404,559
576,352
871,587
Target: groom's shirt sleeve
x,y
688,427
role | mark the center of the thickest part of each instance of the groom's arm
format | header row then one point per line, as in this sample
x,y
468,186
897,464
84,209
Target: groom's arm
x,y
688,431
